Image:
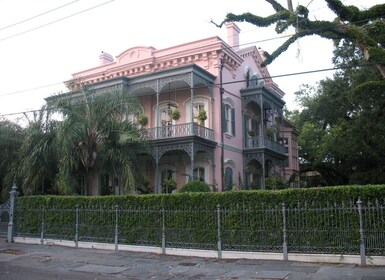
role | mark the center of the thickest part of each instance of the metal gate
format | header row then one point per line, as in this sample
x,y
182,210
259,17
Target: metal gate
x,y
4,218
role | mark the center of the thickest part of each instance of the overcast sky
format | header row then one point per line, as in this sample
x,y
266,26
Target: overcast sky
x,y
42,42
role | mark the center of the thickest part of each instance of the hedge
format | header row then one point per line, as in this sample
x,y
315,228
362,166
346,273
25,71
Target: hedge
x,y
319,197
191,218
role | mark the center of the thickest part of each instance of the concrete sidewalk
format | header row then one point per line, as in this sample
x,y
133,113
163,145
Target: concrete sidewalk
x,y
26,261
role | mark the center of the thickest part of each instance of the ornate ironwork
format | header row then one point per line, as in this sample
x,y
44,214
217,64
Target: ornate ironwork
x,y
331,228
148,84
251,98
183,77
179,130
253,156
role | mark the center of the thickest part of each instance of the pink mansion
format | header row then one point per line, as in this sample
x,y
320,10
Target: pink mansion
x,y
230,133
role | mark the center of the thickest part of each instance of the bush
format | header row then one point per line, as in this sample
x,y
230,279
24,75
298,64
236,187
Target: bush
x,y
195,186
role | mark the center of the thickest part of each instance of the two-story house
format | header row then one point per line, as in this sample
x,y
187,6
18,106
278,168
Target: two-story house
x,y
230,125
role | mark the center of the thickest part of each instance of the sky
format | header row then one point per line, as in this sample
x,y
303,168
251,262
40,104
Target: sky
x,y
43,42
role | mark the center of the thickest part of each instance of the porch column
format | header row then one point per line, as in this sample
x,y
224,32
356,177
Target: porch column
x,y
263,172
192,132
157,183
192,160
213,165
157,110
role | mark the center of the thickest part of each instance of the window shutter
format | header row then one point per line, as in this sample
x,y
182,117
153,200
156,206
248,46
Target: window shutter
x,y
233,121
224,124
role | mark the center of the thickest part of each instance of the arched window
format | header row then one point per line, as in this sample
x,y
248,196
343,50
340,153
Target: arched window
x,y
201,103
228,179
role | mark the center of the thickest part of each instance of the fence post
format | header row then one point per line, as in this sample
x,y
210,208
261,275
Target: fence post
x,y
77,226
42,226
163,232
284,245
12,199
116,227
362,233
219,232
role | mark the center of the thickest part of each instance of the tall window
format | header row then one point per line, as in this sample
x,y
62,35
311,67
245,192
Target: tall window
x,y
229,120
199,174
228,179
198,110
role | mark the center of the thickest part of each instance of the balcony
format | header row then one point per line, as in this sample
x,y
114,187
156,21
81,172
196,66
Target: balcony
x,y
180,130
263,142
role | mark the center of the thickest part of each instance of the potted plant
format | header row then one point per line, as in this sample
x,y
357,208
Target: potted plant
x,y
251,133
202,116
175,114
270,133
169,185
142,119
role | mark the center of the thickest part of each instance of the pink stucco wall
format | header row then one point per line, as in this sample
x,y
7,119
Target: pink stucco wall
x,y
207,54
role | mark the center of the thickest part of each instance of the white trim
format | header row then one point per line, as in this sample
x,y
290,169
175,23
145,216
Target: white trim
x,y
229,101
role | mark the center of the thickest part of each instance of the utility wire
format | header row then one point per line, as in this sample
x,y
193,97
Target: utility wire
x,y
259,41
240,45
39,15
244,44
30,89
55,21
198,87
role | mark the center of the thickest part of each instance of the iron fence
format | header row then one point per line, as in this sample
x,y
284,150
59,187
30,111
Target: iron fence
x,y
351,228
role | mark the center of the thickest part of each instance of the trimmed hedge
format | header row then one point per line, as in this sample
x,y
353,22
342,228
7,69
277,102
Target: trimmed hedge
x,y
319,197
195,186
251,219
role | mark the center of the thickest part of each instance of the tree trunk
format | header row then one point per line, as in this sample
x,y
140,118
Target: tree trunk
x,y
92,183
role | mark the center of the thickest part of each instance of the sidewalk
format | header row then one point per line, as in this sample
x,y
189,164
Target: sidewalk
x,y
25,261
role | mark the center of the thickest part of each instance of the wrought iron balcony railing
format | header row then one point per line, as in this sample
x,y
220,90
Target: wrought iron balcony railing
x,y
180,130
263,142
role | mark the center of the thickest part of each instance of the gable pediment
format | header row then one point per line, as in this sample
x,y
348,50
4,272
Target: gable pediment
x,y
135,54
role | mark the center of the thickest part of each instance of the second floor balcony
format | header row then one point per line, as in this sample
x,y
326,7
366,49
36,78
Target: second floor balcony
x,y
264,142
180,130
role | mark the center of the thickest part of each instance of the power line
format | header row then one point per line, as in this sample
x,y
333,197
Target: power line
x,y
30,89
253,42
197,87
244,44
55,21
240,45
39,15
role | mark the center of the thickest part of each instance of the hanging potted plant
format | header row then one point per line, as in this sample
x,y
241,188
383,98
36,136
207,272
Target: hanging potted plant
x,y
270,132
142,119
202,116
175,114
251,133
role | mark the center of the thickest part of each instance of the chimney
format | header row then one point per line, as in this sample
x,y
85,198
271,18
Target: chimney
x,y
262,54
105,58
233,35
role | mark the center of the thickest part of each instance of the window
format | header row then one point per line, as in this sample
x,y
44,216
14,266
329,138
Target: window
x,y
199,174
229,120
198,111
228,179
166,178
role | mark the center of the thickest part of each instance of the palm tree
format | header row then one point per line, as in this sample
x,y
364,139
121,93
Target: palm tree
x,y
38,154
96,138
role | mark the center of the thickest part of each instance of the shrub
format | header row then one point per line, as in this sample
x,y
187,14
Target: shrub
x,y
195,186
